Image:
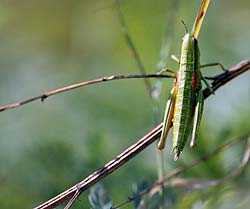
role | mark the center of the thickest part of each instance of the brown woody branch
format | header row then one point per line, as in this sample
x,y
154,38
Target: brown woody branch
x,y
133,150
228,75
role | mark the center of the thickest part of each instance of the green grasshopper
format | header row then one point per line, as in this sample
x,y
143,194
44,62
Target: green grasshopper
x,y
185,104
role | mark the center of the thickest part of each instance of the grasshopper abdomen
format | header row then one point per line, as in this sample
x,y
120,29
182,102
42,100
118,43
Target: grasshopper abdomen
x,y
186,87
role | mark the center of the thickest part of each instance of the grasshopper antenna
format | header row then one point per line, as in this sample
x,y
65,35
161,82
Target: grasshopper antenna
x,y
186,29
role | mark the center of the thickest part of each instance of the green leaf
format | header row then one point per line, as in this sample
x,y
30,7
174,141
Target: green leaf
x,y
136,189
98,198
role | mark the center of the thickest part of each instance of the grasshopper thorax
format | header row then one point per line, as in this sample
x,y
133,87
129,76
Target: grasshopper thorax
x,y
188,42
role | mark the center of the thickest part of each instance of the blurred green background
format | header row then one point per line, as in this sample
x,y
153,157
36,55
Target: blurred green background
x,y
47,147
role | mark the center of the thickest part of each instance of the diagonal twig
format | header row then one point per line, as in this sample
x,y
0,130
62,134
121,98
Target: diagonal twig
x,y
244,161
133,150
72,200
45,95
165,180
234,173
219,80
228,75
131,46
106,170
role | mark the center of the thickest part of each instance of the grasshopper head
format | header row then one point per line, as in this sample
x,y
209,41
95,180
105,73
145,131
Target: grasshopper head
x,y
187,42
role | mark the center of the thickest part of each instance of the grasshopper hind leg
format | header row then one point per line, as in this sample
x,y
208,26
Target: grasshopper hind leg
x,y
168,117
207,84
197,118
211,65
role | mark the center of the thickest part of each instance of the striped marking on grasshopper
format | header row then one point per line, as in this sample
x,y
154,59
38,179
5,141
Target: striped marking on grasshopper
x,y
185,103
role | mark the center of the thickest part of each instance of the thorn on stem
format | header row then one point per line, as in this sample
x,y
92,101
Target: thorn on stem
x,y
43,97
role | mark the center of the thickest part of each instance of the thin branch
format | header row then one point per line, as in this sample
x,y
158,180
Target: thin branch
x,y
165,181
234,173
157,86
219,80
165,47
168,35
228,75
72,200
139,146
131,46
201,159
79,85
191,183
106,170
243,164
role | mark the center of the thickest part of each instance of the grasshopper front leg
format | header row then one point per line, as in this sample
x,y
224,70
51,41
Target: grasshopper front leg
x,y
207,84
168,118
214,64
197,118
175,58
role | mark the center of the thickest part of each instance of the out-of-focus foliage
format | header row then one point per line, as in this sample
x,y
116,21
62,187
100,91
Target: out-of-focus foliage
x,y
47,147
136,189
99,198
157,200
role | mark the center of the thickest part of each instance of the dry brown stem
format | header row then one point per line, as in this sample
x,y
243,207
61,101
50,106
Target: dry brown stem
x,y
133,150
